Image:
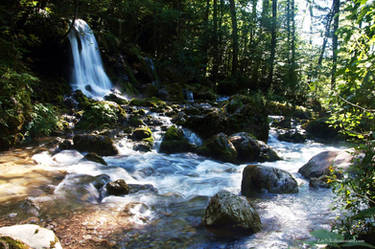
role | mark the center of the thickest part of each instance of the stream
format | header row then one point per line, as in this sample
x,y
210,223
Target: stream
x,y
170,217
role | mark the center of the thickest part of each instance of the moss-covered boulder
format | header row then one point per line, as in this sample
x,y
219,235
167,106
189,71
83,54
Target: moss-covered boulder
x,y
257,178
91,156
7,242
82,100
231,212
174,141
219,147
144,135
250,149
102,145
100,115
319,129
118,187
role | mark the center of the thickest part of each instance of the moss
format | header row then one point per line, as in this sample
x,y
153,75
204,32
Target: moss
x,y
112,97
135,122
148,102
174,141
219,147
142,133
100,115
95,158
83,101
15,105
10,243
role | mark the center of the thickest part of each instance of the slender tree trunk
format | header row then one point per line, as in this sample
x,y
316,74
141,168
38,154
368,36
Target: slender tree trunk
x,y
205,38
336,14
216,61
288,17
327,32
273,44
310,73
234,37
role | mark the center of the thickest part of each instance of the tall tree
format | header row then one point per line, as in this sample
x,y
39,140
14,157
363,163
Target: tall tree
x,y
234,37
273,44
336,14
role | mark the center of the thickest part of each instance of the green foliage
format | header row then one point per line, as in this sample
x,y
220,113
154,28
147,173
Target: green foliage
x,y
15,105
335,240
44,120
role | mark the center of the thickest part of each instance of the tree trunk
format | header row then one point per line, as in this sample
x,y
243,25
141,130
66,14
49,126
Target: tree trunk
x,y
327,32
273,44
234,37
216,61
336,14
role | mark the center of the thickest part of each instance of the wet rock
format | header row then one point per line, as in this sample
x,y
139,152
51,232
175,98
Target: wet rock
x,y
257,178
228,211
134,188
319,182
65,144
283,123
219,147
141,133
115,98
33,236
249,149
292,136
91,156
143,147
319,164
100,180
102,145
118,187
29,206
174,141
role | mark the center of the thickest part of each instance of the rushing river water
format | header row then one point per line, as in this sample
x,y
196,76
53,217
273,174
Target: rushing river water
x,y
171,217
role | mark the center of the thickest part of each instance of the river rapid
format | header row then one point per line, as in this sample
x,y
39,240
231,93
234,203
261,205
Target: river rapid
x,y
171,215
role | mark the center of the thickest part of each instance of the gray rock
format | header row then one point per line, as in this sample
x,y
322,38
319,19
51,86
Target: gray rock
x,y
256,179
249,149
228,210
34,236
219,147
319,164
320,182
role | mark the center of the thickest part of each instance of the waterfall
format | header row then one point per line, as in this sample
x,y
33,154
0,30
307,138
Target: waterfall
x,y
88,72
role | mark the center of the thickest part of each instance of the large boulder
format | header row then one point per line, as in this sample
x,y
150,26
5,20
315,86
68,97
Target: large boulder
x,y
319,164
28,236
257,178
249,149
101,145
174,141
226,210
292,136
219,147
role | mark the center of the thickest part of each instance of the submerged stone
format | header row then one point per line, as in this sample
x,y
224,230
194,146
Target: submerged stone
x,y
102,145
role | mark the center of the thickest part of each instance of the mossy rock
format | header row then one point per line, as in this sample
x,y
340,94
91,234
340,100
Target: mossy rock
x,y
118,187
148,102
219,147
10,243
143,134
174,141
100,115
136,122
114,98
82,100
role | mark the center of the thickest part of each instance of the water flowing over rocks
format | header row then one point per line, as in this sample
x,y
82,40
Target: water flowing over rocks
x,y
256,179
102,145
320,164
228,211
33,236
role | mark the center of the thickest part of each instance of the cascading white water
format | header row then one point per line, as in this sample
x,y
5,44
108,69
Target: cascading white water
x,y
88,72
